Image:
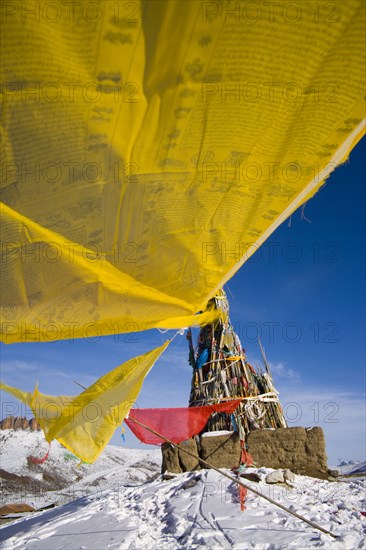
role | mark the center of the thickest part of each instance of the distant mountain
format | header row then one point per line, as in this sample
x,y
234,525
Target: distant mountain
x,y
347,462
351,467
361,467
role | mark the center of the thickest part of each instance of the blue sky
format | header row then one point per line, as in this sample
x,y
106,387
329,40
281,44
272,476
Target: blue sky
x,y
303,292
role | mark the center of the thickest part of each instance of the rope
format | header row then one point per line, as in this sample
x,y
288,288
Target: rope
x,y
269,397
237,481
233,360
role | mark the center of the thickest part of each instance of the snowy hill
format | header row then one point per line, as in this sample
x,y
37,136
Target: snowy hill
x,y
352,468
62,478
133,508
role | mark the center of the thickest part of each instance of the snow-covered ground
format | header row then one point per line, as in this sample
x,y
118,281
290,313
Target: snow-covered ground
x,y
134,508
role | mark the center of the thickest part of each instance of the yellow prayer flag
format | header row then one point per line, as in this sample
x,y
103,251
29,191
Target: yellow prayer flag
x,y
150,149
84,424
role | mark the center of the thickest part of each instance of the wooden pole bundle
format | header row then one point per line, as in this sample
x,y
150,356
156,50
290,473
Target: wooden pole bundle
x,y
225,373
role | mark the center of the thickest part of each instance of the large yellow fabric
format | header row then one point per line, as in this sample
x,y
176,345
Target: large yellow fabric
x,y
85,423
149,148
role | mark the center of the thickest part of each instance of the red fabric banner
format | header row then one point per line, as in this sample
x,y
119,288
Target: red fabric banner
x,y
42,460
175,424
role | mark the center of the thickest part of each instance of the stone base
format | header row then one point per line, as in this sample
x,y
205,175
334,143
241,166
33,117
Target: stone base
x,y
177,461
301,450
222,451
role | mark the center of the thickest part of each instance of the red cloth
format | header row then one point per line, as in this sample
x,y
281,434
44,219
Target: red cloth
x,y
175,424
242,497
246,458
42,460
